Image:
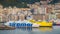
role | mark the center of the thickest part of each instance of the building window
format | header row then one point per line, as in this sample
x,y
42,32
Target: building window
x,y
0,18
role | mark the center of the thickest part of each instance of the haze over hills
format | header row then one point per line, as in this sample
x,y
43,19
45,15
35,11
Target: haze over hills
x,y
21,3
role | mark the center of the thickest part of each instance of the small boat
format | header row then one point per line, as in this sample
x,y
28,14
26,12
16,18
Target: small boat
x,y
45,23
35,25
42,23
57,22
6,28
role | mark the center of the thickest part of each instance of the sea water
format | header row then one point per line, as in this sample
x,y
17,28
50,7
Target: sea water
x,y
41,30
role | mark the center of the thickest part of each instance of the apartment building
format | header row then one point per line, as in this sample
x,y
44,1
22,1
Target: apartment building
x,y
37,11
42,8
57,10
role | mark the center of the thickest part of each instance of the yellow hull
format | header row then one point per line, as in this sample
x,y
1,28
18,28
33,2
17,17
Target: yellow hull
x,y
42,23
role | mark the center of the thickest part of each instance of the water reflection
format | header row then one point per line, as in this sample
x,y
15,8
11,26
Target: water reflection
x,y
30,30
45,28
25,28
36,29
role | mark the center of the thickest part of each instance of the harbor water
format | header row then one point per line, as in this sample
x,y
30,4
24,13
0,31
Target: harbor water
x,y
40,30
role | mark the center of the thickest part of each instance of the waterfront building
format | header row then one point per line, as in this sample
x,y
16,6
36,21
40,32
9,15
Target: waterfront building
x,y
38,10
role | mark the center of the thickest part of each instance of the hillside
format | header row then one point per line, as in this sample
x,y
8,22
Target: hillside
x,y
21,3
